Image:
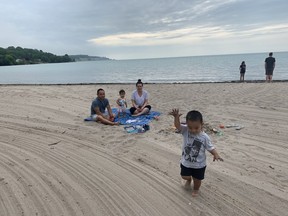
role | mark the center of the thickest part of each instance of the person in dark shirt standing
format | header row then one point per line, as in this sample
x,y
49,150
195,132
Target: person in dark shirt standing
x,y
242,69
269,67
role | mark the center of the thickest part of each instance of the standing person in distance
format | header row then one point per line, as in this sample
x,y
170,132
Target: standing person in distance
x,y
242,69
269,67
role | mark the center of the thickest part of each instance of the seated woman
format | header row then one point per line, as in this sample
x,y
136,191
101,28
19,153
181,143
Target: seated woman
x,y
139,101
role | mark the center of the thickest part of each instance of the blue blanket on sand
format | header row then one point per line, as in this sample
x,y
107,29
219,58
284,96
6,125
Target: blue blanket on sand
x,y
132,120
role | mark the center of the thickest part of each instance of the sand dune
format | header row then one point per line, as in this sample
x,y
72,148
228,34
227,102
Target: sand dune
x,y
53,163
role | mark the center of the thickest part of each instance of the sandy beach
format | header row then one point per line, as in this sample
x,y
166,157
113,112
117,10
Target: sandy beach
x,y
54,163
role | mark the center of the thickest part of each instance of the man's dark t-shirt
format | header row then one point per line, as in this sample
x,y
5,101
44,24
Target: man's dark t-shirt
x,y
101,104
270,63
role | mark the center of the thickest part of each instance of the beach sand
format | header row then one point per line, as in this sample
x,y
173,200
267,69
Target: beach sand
x,y
54,163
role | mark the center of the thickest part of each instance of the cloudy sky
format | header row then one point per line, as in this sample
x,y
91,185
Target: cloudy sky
x,y
131,29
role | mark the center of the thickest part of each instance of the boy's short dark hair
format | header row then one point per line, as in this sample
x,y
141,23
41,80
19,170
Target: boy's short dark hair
x,y
271,54
194,115
100,89
121,91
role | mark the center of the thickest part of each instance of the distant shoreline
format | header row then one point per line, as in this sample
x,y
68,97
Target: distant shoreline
x,y
147,83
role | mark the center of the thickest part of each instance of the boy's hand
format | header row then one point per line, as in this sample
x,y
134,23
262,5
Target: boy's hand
x,y
217,157
175,113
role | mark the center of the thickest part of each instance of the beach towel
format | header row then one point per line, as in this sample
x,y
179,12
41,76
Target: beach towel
x,y
132,120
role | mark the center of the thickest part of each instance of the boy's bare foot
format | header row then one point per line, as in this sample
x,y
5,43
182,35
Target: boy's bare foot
x,y
116,123
195,193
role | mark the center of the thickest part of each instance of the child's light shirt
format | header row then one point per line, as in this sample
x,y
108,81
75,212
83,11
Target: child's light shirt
x,y
122,102
193,148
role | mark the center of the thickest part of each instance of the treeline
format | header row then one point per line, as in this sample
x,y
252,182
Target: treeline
x,y
88,58
20,56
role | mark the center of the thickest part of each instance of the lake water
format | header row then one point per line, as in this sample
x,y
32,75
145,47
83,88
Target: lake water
x,y
216,68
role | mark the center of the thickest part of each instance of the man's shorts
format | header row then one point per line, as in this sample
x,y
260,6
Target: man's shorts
x,y
94,117
195,173
269,72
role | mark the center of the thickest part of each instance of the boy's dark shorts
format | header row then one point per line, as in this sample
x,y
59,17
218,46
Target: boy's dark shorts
x,y
195,173
133,109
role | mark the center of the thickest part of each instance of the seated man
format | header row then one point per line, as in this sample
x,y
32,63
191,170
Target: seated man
x,y
98,107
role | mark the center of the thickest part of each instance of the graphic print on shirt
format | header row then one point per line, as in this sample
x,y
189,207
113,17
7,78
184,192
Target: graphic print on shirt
x,y
191,151
122,103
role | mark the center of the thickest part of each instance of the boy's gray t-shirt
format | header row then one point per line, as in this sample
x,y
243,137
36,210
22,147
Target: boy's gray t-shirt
x,y
193,148
102,104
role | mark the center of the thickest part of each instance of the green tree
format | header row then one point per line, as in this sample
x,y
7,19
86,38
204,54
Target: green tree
x,y
9,56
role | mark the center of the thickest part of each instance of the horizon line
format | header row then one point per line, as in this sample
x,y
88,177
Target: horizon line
x,y
248,53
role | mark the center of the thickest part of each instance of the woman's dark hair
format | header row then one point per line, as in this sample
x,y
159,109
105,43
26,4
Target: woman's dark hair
x,y
194,116
139,82
121,91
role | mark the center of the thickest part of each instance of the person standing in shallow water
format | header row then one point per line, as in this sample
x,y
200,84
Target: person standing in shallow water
x,y
269,67
242,69
139,100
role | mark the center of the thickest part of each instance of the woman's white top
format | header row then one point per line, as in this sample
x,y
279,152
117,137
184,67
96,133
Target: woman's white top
x,y
139,100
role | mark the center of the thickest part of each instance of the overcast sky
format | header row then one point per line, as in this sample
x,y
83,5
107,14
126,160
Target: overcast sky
x,y
129,29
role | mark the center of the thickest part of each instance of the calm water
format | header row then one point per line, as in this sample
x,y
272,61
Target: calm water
x,y
164,70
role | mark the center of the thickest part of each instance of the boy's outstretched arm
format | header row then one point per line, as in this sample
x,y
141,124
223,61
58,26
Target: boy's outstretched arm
x,y
175,113
216,155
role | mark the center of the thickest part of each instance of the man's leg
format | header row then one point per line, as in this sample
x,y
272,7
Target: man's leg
x,y
106,121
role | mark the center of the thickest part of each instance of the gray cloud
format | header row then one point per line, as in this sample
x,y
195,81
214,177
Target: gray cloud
x,y
132,29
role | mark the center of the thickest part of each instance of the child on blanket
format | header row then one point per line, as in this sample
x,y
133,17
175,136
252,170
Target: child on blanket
x,y
122,104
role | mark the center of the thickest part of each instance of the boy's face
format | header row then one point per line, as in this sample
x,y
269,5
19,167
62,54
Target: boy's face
x,y
122,94
194,127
